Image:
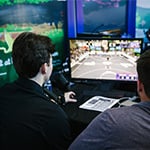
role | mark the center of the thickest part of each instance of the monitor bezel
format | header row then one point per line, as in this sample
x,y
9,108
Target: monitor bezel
x,y
91,80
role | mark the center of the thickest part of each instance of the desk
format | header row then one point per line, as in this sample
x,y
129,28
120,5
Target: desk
x,y
80,115
80,118
86,91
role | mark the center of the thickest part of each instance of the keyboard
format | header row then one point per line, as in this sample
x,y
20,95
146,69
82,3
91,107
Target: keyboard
x,y
99,103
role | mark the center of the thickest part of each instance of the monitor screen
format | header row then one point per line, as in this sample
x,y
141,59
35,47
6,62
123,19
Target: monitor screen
x,y
102,16
45,17
104,59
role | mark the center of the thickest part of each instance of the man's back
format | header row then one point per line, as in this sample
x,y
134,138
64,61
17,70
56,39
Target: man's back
x,y
29,120
120,128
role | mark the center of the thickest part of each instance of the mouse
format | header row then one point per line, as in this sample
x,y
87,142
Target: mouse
x,y
73,96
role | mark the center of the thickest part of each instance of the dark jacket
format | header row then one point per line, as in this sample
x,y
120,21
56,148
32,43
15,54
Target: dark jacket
x,y
29,120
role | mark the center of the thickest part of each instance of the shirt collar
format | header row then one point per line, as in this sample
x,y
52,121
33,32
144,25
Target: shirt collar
x,y
29,84
145,104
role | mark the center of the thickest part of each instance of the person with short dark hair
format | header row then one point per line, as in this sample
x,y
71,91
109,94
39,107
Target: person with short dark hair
x,y
126,128
29,119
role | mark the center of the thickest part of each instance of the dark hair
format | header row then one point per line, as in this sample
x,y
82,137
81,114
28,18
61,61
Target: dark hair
x,y
29,52
143,69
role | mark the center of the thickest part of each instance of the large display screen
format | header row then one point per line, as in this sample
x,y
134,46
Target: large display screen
x,y
45,17
99,16
142,17
143,22
104,59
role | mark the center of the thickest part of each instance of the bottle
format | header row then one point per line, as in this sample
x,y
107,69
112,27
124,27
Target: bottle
x,y
48,85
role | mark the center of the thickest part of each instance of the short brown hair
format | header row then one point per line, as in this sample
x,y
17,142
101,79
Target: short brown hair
x,y
29,52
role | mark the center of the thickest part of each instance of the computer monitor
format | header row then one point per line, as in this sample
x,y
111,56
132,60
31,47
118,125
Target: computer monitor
x,y
109,59
45,17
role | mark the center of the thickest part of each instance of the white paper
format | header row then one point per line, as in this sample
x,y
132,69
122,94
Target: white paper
x,y
99,103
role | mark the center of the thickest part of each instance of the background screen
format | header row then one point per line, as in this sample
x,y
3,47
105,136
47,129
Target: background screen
x,y
142,17
100,15
46,17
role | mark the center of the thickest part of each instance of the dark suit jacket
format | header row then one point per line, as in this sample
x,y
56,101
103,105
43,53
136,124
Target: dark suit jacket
x,y
29,120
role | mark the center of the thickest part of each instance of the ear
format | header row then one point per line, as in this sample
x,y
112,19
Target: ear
x,y
43,68
140,86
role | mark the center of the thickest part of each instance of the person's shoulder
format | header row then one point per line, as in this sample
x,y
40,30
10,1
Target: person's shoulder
x,y
120,111
115,115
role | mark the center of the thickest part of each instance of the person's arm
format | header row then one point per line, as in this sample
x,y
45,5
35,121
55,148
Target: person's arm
x,y
63,98
57,129
67,98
